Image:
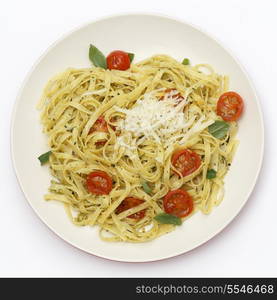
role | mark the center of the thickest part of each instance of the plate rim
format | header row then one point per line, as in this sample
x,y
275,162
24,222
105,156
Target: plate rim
x,y
140,14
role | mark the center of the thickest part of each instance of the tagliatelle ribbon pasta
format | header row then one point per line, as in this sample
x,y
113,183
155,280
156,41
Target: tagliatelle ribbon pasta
x,y
153,109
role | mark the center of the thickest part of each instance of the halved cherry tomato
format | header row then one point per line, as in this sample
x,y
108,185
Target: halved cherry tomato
x,y
229,106
186,161
100,125
178,203
128,203
177,96
118,60
99,183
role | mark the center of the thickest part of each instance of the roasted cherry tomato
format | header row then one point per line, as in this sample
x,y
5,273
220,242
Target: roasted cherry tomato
x,y
186,161
177,96
99,183
229,106
178,203
101,126
128,203
118,60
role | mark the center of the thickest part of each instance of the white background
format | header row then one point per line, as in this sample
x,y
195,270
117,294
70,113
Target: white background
x,y
247,247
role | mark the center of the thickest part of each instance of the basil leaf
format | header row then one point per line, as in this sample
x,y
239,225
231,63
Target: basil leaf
x,y
146,187
219,129
164,218
44,158
185,61
211,174
97,57
131,56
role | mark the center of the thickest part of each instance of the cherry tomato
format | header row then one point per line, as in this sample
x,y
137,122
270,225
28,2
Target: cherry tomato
x,y
229,106
118,60
99,125
99,183
128,203
177,96
178,203
186,161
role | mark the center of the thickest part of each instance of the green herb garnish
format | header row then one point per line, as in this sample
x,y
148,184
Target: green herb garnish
x,y
131,56
219,129
164,218
97,57
44,158
211,174
185,61
146,187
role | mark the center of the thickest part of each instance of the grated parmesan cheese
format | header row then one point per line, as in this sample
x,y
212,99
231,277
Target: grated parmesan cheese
x,y
162,121
153,118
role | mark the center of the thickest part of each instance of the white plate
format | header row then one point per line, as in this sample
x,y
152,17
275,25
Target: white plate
x,y
144,35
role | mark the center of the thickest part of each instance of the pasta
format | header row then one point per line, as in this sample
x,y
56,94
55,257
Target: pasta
x,y
107,121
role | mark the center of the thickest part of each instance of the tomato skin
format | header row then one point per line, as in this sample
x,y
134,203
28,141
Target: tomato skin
x,y
186,161
130,202
229,106
101,143
113,119
99,183
118,60
178,96
178,203
99,125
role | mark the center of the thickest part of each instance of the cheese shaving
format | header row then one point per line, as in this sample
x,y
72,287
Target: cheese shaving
x,y
160,120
